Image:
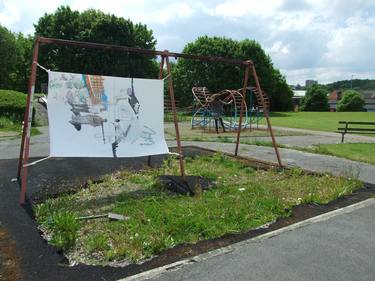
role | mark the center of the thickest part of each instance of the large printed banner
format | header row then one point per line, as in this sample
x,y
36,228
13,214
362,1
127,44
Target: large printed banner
x,y
102,116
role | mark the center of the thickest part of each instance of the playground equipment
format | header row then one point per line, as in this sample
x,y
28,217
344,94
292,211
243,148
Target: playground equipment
x,y
231,101
233,97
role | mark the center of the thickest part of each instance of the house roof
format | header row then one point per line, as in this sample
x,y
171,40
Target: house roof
x,y
368,96
333,96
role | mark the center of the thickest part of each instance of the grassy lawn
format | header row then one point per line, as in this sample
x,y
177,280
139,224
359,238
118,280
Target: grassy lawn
x,y
320,121
7,125
243,199
364,152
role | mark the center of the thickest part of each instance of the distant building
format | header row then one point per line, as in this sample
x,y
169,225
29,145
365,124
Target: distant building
x,y
297,98
333,99
309,83
369,97
336,95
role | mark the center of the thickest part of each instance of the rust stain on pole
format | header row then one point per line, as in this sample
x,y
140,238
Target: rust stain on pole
x,y
173,103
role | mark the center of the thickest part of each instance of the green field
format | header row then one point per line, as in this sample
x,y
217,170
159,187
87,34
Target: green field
x,y
320,121
363,152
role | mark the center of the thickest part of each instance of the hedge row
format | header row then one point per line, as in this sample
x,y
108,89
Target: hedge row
x,y
12,105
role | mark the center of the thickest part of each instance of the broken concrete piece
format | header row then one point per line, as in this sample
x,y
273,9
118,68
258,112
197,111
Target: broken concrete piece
x,y
117,217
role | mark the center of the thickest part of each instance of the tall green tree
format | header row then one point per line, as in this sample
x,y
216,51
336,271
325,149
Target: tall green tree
x,y
96,26
217,76
8,57
20,76
316,99
15,60
351,101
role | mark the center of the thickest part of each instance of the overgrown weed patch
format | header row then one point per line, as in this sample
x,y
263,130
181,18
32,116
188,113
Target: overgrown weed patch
x,y
243,199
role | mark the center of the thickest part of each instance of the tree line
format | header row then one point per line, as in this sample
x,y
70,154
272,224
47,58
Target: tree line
x,y
354,84
316,99
96,26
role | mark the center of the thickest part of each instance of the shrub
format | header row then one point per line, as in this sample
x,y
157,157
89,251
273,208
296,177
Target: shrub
x,y
351,101
12,105
315,99
6,123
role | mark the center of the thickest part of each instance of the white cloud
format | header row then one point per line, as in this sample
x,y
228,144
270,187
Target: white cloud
x,y
353,44
168,13
277,48
19,15
307,39
9,14
239,8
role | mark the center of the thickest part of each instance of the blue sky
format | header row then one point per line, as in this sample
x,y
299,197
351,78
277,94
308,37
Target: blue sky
x,y
310,39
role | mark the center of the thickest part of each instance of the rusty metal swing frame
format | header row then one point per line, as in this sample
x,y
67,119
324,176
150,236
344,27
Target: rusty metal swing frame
x,y
165,55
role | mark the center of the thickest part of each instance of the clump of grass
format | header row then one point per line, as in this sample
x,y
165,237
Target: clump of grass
x,y
62,226
97,243
244,198
321,150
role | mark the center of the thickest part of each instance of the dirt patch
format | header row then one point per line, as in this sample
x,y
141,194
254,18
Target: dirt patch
x,y
9,259
192,186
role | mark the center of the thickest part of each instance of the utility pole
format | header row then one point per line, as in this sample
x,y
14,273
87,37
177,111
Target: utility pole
x,y
351,82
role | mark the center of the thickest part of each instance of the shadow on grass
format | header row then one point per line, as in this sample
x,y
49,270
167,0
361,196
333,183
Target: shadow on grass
x,y
280,114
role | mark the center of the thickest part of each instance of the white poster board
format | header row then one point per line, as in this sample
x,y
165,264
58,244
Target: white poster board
x,y
103,116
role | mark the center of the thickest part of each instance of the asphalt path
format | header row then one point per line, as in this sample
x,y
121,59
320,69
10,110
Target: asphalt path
x,y
341,248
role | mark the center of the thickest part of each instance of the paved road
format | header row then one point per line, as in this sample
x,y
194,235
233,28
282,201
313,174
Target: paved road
x,y
10,147
340,248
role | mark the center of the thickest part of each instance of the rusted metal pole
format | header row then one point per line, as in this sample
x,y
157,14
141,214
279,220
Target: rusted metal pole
x,y
161,67
243,101
62,42
173,104
25,143
266,114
